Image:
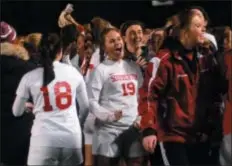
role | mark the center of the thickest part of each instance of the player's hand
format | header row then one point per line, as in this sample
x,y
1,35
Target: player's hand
x,y
62,21
141,62
29,106
149,143
63,18
118,115
203,137
137,122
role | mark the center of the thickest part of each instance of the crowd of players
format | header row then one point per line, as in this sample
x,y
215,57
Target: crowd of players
x,y
102,95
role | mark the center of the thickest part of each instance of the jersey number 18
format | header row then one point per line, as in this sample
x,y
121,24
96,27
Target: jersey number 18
x,y
59,95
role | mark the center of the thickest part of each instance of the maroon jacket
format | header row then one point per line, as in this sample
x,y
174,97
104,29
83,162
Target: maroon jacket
x,y
176,101
227,126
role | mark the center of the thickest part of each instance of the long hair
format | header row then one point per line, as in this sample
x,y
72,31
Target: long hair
x,y
69,35
102,41
97,25
221,33
49,47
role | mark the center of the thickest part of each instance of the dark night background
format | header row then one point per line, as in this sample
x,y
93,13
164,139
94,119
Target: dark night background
x,y
41,16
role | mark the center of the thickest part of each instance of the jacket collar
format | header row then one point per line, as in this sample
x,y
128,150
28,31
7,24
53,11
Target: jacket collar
x,y
8,49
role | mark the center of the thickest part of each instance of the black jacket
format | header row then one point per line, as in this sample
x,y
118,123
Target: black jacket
x,y
15,132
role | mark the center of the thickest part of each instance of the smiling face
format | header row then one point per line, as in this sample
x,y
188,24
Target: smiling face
x,y
197,29
80,42
194,31
134,36
113,45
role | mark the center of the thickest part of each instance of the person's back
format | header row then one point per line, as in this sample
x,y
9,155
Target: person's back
x,y
55,107
56,134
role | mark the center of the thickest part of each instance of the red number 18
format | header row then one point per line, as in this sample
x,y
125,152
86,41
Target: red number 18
x,y
59,95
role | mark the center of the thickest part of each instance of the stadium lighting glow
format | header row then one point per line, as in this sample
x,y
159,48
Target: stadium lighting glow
x,y
162,3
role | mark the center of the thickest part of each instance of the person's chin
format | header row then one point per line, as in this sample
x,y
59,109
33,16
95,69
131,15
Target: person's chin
x,y
200,41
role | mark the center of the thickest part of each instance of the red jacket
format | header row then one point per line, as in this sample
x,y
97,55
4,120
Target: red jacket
x,y
227,125
176,100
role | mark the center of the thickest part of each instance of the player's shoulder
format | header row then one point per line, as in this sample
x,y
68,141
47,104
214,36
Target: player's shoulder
x,y
132,64
68,68
101,67
34,72
32,75
129,62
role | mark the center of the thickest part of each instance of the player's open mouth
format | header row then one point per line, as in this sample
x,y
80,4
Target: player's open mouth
x,y
118,50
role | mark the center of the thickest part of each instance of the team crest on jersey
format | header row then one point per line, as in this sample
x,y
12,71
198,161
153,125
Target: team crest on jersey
x,y
122,77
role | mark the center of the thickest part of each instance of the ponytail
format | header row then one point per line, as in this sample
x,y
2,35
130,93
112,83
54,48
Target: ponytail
x,y
49,47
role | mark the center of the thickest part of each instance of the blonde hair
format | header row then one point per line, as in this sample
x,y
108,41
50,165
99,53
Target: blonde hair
x,y
20,40
34,39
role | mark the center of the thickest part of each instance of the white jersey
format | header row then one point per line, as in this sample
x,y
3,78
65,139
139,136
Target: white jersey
x,y
56,121
114,86
75,62
94,61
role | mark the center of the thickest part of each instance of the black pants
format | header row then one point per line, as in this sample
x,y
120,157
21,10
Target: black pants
x,y
83,147
15,139
185,154
156,157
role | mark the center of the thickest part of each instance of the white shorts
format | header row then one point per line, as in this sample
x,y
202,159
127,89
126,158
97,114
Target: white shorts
x,y
225,151
118,143
42,155
89,129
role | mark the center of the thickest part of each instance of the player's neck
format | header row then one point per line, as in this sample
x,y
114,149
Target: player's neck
x,y
134,50
113,59
58,57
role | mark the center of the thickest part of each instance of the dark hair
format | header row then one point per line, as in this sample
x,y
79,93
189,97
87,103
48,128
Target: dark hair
x,y
157,40
205,14
102,41
33,53
127,24
220,34
69,34
97,25
185,18
50,45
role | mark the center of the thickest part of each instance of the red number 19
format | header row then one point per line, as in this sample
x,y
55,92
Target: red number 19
x,y
128,89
